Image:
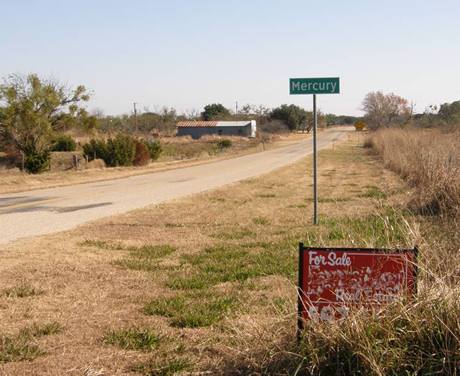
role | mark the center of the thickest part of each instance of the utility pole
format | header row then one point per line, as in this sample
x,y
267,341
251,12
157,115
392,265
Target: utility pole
x,y
236,107
135,117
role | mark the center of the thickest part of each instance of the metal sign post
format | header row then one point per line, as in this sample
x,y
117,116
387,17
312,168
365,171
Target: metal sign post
x,y
315,171
324,85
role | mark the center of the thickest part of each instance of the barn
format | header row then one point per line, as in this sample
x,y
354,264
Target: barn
x,y
196,129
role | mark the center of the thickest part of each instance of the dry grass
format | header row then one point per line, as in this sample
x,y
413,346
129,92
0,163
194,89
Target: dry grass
x,y
207,283
429,160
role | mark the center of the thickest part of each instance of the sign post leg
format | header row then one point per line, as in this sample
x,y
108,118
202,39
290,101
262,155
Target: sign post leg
x,y
315,185
300,307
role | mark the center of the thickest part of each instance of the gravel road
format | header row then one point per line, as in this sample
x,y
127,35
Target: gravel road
x,y
51,210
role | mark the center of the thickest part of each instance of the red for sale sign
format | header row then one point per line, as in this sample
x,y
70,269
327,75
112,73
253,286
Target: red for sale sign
x,y
331,280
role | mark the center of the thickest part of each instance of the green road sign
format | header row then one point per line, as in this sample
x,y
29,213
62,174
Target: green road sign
x,y
323,85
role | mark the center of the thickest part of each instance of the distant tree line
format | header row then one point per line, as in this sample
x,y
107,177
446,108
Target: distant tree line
x,y
391,110
37,115
447,115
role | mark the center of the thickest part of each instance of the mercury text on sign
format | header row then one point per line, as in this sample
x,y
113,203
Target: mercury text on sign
x,y
323,85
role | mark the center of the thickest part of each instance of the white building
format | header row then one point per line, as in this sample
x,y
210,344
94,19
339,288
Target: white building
x,y
196,128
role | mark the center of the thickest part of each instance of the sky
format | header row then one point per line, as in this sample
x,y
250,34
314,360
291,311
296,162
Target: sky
x,y
186,54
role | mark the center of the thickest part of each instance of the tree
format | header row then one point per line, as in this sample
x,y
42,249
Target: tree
x,y
33,110
450,113
383,110
215,111
294,116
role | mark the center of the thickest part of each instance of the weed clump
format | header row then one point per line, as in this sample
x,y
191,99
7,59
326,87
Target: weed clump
x,y
224,144
192,310
23,290
133,339
145,257
162,367
23,346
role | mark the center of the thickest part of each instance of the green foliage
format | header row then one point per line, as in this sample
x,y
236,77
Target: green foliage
x,y
145,257
215,111
133,339
192,310
224,144
118,151
37,162
96,149
230,263
163,121
22,290
450,112
121,150
22,346
33,110
142,155
64,143
374,192
294,116
332,119
158,367
154,148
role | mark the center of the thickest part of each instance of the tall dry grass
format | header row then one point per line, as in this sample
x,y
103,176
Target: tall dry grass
x,y
429,160
420,336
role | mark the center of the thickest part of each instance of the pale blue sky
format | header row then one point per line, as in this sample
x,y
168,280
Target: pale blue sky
x,y
186,54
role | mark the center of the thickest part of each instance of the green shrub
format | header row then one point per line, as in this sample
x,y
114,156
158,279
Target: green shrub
x,y
154,148
142,156
121,151
223,144
64,143
37,162
96,149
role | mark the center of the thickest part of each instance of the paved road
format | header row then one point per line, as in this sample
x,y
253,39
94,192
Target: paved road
x,y
45,211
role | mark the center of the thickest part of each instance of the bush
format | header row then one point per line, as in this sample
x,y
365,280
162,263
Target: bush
x,y
37,162
154,148
64,143
142,156
96,149
121,151
223,144
294,116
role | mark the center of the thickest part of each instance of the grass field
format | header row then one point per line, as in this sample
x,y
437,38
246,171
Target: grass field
x,y
207,283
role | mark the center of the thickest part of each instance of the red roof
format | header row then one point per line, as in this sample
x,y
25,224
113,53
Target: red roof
x,y
196,123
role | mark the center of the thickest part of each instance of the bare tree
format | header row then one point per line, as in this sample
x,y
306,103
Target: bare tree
x,y
384,110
